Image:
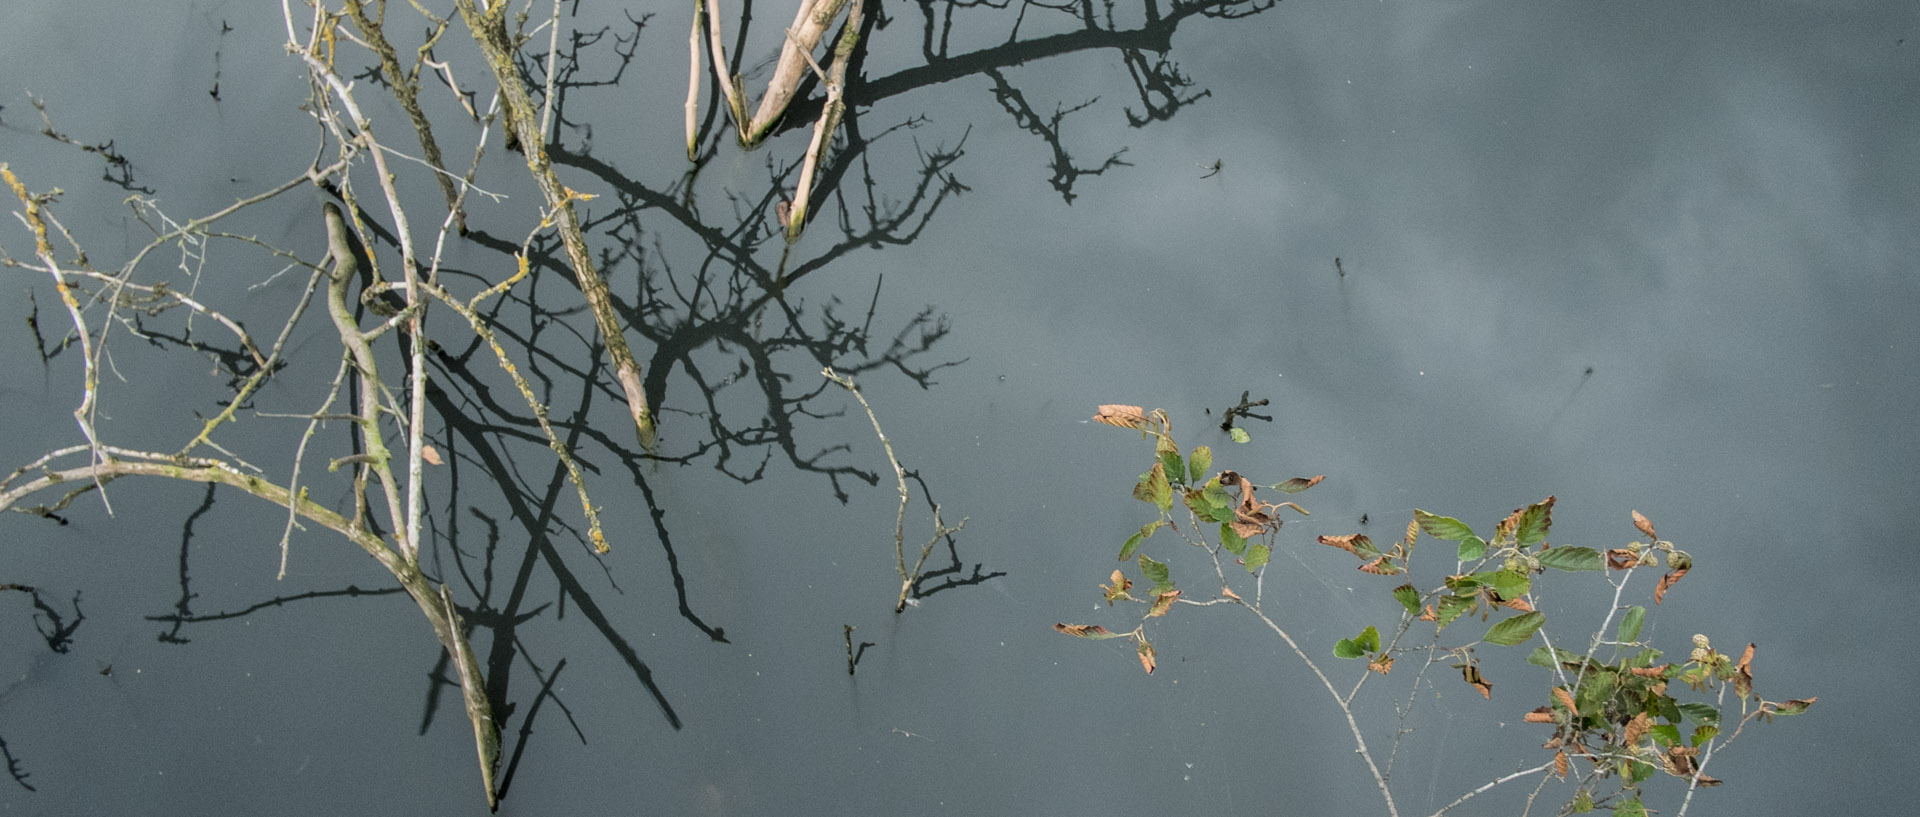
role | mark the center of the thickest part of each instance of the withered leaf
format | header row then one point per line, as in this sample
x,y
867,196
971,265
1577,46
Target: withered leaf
x,y
1118,590
1671,578
1743,678
1162,603
1643,525
1087,631
1679,763
1342,542
1515,604
1429,615
1560,764
1228,592
1793,707
1133,417
1622,558
1298,484
1565,698
1382,665
1651,672
1542,714
1471,672
1381,567
431,455
1637,729
1146,656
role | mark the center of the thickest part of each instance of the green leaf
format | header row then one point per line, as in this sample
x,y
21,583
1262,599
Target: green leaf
x,y
1631,807
1171,466
1158,491
1219,502
1347,649
1239,435
1199,464
1133,542
1472,548
1442,527
1233,542
1597,689
1544,657
1534,523
1364,548
1701,713
1572,559
1257,557
1630,624
1452,607
1369,639
1510,584
1665,734
1143,490
1664,706
1157,573
1408,598
1515,630
1704,733
1635,774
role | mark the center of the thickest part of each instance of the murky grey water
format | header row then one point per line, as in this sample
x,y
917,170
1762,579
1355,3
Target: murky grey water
x,y
1635,257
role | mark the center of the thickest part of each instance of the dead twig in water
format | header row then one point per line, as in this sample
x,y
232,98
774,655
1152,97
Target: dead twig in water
x,y
940,530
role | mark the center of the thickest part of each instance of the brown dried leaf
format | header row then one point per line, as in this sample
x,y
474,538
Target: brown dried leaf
x,y
1429,615
1146,656
1541,715
1133,417
1621,558
1679,763
1118,590
1298,484
1516,604
1743,680
1671,578
1645,526
1342,542
1636,729
1560,764
1162,603
431,455
1650,672
1228,592
1248,527
1382,665
1380,567
1565,698
1248,505
1083,630
1471,673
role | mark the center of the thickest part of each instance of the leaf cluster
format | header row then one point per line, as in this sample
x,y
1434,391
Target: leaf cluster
x,y
1616,712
